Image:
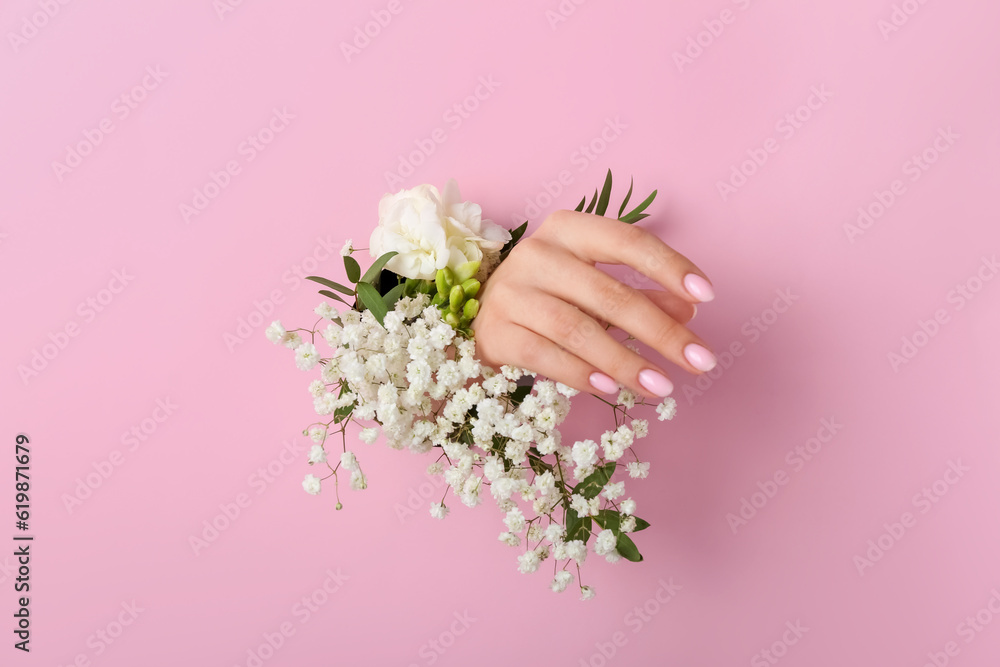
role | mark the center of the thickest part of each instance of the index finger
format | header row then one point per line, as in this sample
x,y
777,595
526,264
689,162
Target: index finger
x,y
597,239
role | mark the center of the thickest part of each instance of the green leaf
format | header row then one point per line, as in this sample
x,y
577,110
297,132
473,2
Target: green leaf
x,y
537,464
392,296
515,236
626,547
375,269
595,481
373,301
353,269
627,197
332,285
522,390
609,519
573,524
342,413
592,202
583,202
640,524
331,295
635,214
602,204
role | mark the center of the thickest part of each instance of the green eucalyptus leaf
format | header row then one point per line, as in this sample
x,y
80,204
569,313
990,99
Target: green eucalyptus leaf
x,y
371,275
592,202
332,285
373,301
331,295
583,202
392,296
626,547
353,268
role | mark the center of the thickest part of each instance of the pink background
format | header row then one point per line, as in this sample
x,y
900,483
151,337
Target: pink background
x,y
682,128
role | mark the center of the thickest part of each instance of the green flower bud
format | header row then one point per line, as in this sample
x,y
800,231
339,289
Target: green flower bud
x,y
445,279
438,299
470,287
456,298
466,271
471,309
452,320
339,506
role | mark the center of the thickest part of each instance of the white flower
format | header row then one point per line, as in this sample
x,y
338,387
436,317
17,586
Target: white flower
x,y
628,507
510,539
348,248
306,356
358,481
514,520
431,230
585,453
576,550
586,592
626,398
555,533
638,469
326,311
605,543
562,580
640,427
317,433
614,490
667,409
628,524
311,484
317,454
439,510
528,562
275,332
348,460
368,435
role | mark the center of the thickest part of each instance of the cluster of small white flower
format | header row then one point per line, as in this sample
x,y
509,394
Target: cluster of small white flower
x,y
418,383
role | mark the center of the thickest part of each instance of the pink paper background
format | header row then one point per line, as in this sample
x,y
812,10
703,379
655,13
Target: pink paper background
x,y
163,337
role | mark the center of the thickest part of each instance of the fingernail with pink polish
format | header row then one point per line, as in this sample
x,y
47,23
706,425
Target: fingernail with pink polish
x,y
655,382
700,357
698,287
603,383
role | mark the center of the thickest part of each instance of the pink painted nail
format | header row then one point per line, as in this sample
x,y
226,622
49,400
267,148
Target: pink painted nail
x,y
699,357
698,287
603,383
655,382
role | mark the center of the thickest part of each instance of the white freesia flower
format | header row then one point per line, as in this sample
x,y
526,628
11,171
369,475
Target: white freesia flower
x,y
432,230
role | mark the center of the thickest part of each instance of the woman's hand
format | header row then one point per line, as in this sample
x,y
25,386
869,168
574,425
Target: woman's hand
x,y
544,307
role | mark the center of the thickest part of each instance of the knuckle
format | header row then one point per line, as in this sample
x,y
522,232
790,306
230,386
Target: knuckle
x,y
532,352
613,296
668,332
